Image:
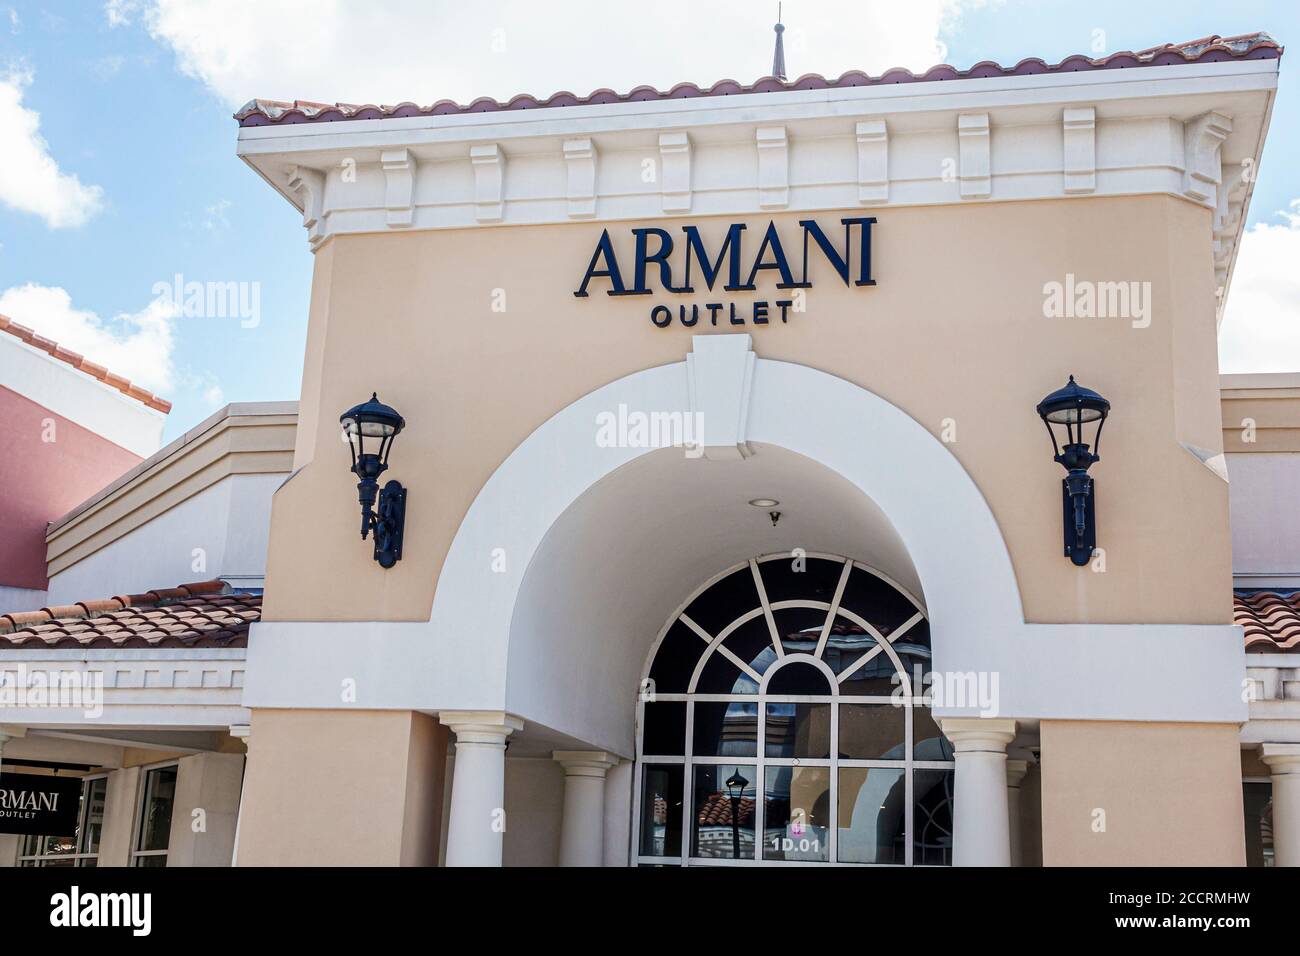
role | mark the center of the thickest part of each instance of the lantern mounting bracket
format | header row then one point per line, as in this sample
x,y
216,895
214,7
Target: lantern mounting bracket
x,y
1069,409
388,524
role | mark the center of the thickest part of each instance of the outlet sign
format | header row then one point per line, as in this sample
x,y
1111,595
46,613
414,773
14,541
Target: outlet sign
x,y
662,265
38,804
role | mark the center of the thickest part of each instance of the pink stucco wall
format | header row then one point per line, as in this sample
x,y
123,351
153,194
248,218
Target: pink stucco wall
x,y
43,479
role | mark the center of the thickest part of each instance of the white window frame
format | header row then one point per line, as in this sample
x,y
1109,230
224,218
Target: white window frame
x,y
137,826
83,811
760,761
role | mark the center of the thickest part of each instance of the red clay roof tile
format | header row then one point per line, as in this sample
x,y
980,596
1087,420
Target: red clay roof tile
x,y
191,615
79,362
1247,46
1271,620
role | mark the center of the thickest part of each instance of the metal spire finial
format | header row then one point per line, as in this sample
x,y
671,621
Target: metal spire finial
x,y
778,59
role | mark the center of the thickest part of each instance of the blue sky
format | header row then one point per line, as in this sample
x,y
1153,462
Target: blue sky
x,y
119,116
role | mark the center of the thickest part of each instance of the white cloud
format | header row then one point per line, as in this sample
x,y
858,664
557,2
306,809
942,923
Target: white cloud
x,y
120,12
341,50
214,396
30,178
1261,321
214,216
138,346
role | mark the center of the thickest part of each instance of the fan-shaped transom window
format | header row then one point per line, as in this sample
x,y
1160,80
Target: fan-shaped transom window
x,y
777,723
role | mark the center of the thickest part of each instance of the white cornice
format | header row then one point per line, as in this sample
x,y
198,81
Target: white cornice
x,y
1194,131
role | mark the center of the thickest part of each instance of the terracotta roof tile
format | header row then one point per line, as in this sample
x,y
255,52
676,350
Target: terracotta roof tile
x,y
1271,620
81,363
717,811
191,615
1247,46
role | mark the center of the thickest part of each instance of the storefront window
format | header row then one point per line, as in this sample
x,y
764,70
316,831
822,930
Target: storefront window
x,y
82,847
155,817
780,729
1257,797
722,812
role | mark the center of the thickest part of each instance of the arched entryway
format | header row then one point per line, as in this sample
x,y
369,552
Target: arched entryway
x,y
780,722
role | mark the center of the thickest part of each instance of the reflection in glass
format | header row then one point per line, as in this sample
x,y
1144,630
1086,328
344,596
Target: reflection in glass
x,y
808,717
726,729
156,820
846,644
720,676
800,628
873,731
798,730
932,817
722,812
878,677
94,795
796,814
1258,801
752,643
661,810
930,743
872,815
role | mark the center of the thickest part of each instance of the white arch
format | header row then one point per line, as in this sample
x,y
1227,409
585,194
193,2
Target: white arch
x,y
943,520
464,656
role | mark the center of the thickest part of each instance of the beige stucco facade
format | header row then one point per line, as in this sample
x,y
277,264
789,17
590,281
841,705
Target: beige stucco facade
x,y
959,297
953,334
388,761
1145,794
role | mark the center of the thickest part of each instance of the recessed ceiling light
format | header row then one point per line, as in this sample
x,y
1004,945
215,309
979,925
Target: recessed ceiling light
x,y
764,502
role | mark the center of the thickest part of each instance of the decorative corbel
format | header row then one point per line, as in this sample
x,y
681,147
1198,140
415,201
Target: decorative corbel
x,y
873,161
975,175
399,167
489,176
580,167
773,167
675,171
309,186
1202,171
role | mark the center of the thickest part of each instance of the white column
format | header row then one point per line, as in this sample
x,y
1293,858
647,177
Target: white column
x,y
1283,762
582,827
981,835
478,785
242,732
1016,770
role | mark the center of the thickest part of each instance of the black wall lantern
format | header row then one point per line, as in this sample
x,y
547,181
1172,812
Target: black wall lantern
x,y
1070,408
370,429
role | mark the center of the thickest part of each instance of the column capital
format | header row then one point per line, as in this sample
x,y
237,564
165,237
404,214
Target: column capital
x,y
480,726
979,734
1281,758
1016,770
585,763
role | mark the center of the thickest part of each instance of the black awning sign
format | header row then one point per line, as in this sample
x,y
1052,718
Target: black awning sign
x,y
38,804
